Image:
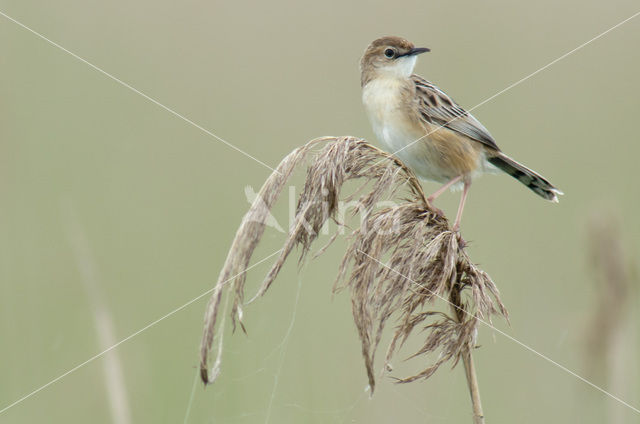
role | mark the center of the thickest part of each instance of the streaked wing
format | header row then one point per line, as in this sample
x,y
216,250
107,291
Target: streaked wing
x,y
439,109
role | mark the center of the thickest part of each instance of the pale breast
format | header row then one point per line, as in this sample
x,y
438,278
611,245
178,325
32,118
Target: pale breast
x,y
383,101
381,97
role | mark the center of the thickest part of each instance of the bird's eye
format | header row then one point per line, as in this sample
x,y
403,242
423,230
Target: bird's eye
x,y
389,53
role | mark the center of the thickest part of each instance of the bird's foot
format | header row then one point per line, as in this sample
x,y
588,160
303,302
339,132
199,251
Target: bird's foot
x,y
461,242
438,212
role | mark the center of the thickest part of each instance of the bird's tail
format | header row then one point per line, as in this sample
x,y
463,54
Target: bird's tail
x,y
536,182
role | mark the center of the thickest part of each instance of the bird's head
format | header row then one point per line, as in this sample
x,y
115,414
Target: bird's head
x,y
389,56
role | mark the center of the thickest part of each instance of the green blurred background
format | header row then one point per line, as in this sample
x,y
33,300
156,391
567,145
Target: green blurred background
x,y
107,199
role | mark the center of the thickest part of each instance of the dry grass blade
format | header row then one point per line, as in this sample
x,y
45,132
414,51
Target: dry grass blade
x,y
399,261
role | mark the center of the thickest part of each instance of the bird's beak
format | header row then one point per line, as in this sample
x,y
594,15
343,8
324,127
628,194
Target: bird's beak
x,y
416,51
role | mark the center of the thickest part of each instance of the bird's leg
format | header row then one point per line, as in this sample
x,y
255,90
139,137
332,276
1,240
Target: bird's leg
x,y
442,189
438,192
456,225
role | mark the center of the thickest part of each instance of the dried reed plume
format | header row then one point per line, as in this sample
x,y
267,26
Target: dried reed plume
x,y
399,261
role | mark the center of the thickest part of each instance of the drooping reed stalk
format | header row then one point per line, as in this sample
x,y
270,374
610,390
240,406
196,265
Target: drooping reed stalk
x,y
400,261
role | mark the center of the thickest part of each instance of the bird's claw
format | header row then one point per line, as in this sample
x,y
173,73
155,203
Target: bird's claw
x,y
438,212
461,242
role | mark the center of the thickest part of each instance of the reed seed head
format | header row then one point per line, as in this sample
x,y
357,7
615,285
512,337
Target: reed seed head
x,y
400,261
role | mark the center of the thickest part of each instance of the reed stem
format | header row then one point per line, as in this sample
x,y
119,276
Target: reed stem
x,y
459,312
474,390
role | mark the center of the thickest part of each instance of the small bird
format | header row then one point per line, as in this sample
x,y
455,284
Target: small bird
x,y
427,130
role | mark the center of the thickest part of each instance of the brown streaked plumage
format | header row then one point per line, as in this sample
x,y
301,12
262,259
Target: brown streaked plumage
x,y
429,131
